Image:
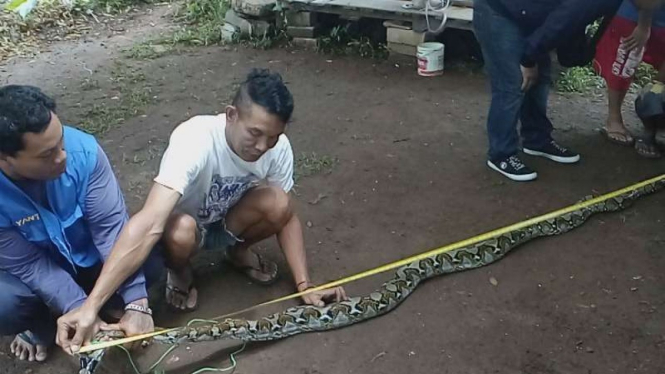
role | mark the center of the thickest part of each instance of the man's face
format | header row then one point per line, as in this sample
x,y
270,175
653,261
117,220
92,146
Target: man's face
x,y
43,156
252,131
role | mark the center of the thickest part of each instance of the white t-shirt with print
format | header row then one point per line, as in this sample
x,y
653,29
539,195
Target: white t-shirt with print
x,y
200,165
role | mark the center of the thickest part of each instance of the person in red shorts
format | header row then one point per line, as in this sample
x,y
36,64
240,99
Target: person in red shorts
x,y
635,34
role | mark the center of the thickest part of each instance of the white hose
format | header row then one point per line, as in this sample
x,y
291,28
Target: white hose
x,y
437,5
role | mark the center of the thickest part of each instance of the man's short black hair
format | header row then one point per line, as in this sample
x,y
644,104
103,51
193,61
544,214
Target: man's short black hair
x,y
23,109
267,90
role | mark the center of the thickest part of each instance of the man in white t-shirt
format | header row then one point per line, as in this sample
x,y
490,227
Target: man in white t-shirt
x,y
223,182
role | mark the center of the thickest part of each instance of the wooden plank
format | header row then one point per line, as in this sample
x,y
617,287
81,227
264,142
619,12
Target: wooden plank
x,y
379,8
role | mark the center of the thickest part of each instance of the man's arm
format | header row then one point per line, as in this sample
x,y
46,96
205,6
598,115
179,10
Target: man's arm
x,y
648,5
290,238
180,164
136,241
639,37
106,215
565,21
37,270
128,254
291,241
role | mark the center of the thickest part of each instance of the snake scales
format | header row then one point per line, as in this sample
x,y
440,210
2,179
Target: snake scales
x,y
309,318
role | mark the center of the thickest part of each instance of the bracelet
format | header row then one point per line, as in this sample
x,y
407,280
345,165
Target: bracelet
x,y
298,286
139,308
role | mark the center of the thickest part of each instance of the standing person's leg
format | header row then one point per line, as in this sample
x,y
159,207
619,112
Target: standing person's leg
x,y
615,129
536,127
502,44
617,66
23,313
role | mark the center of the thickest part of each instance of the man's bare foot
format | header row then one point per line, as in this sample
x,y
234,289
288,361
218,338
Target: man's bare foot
x,y
25,347
180,291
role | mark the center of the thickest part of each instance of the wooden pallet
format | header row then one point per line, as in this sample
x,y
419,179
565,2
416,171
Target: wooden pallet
x,y
459,15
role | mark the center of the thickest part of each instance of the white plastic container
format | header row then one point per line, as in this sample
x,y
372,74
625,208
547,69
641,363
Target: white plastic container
x,y
430,59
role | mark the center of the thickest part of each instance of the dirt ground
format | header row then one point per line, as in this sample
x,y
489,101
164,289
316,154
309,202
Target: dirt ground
x,y
409,176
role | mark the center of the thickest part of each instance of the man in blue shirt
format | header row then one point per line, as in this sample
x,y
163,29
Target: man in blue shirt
x,y
61,211
516,37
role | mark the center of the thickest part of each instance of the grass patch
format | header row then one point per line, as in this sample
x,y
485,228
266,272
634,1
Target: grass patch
x,y
132,95
202,21
52,19
205,10
342,43
207,33
579,79
113,6
147,51
585,79
645,74
308,164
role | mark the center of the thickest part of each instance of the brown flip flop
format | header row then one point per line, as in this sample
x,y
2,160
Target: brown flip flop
x,y
612,137
184,294
643,143
264,267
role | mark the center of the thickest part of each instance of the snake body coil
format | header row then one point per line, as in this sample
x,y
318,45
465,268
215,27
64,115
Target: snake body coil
x,y
307,318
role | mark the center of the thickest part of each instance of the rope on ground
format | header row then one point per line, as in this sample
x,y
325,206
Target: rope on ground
x,y
161,359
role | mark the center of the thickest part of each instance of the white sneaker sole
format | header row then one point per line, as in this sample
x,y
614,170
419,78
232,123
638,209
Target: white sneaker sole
x,y
515,177
559,159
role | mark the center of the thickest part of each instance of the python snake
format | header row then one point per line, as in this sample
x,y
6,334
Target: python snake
x,y
308,318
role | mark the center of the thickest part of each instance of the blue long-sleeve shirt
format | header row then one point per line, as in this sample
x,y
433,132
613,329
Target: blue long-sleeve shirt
x,y
551,23
39,269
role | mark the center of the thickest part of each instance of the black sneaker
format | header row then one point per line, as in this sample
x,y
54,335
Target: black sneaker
x,y
554,152
514,169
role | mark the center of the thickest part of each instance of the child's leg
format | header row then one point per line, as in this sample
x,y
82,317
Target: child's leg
x,y
615,126
613,63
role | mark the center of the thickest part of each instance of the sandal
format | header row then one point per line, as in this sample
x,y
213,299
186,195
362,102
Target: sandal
x,y
185,294
28,337
648,149
618,137
266,267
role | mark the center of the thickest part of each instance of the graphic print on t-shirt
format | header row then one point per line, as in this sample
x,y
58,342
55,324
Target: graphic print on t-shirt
x,y
224,193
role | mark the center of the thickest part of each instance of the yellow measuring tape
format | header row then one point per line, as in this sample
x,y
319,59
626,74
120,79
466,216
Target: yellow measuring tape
x,y
396,264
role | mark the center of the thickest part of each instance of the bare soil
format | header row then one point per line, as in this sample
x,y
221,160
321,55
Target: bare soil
x,y
410,176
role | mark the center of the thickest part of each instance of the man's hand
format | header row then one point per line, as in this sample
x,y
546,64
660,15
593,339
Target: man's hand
x,y
529,77
133,323
77,328
638,39
320,298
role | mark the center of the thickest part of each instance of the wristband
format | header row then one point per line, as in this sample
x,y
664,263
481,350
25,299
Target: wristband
x,y
138,308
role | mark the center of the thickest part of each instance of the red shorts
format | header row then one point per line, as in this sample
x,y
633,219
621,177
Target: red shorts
x,y
617,66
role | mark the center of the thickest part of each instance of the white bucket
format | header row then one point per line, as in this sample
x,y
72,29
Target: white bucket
x,y
430,59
